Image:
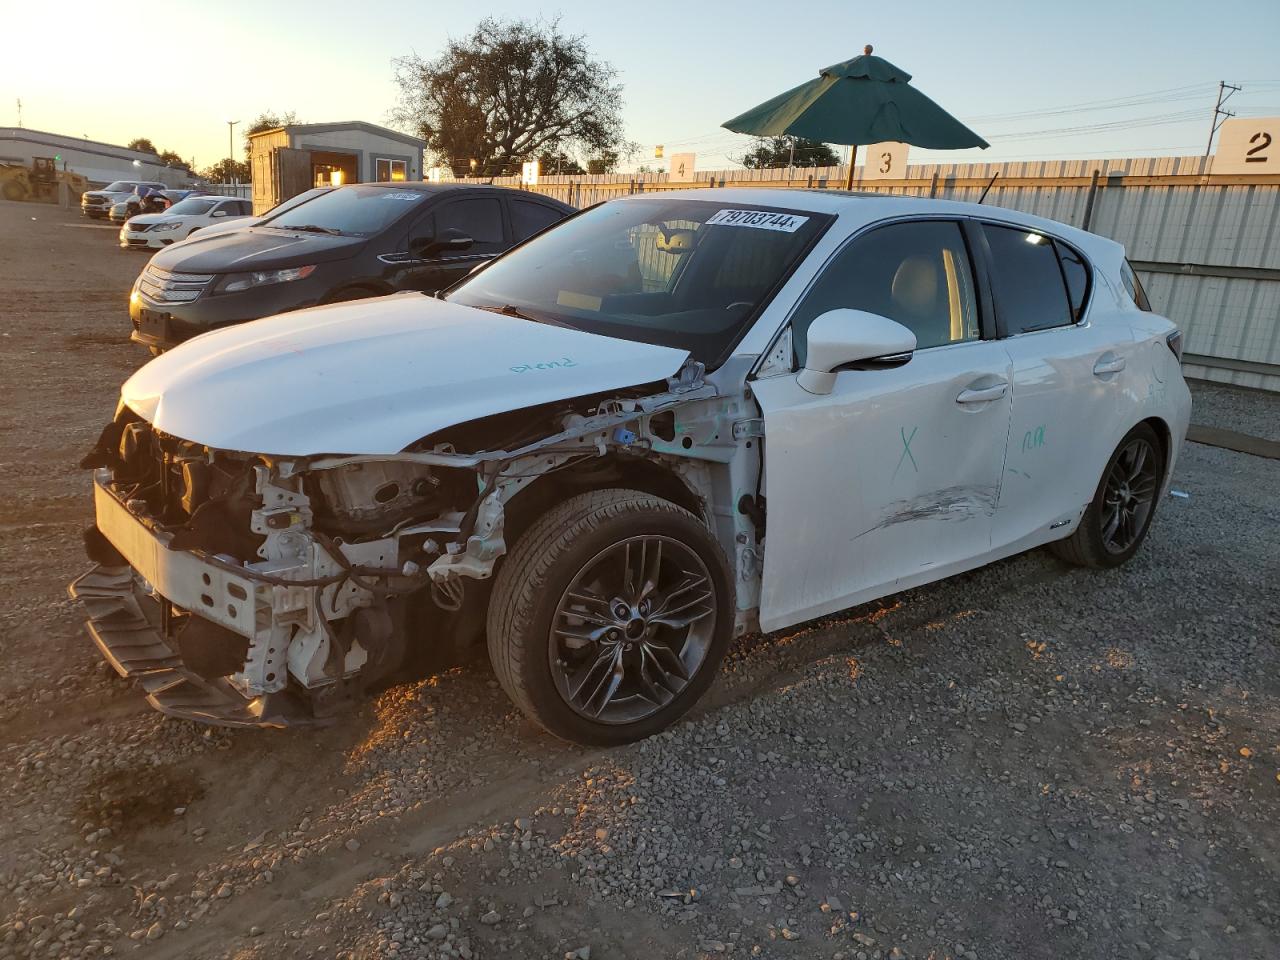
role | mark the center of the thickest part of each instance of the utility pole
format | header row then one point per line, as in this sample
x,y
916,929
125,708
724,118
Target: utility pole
x,y
19,111
231,149
1225,90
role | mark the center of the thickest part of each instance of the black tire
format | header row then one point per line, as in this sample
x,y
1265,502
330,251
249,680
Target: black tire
x,y
1089,545
13,190
538,572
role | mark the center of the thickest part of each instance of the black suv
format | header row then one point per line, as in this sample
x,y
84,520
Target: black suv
x,y
362,240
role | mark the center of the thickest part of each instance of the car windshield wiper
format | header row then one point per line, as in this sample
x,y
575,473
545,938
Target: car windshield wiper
x,y
511,310
313,228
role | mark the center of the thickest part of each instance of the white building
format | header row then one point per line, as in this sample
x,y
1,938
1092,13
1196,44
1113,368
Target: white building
x,y
100,163
290,159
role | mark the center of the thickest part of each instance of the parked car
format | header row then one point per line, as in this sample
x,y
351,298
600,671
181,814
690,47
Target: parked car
x,y
97,204
156,230
155,201
664,422
353,242
228,226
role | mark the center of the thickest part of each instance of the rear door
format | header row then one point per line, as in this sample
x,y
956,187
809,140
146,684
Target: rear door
x,y
892,479
1068,375
479,217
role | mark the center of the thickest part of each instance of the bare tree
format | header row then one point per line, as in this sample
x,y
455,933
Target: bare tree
x,y
511,91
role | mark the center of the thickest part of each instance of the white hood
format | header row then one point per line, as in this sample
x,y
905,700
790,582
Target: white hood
x,y
154,218
373,376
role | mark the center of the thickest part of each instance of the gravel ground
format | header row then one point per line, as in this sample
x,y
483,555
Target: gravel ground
x,y
1028,761
1254,412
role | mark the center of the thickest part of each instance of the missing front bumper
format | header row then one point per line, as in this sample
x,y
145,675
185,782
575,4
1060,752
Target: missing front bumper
x,y
134,646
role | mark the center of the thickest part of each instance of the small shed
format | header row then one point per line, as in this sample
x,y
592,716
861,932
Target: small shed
x,y
299,156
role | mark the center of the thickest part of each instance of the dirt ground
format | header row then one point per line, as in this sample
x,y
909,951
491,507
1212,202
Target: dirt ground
x,y
1029,761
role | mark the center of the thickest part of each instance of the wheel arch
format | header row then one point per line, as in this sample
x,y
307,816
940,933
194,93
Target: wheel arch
x,y
372,288
602,473
1165,435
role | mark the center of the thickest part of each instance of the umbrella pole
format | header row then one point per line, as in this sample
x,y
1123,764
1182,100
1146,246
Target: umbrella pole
x,y
853,158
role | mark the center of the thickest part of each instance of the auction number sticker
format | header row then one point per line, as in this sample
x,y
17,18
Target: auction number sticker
x,y
760,219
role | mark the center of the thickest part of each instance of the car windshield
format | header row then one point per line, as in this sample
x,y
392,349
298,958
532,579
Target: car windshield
x,y
356,210
192,207
675,272
284,206
119,186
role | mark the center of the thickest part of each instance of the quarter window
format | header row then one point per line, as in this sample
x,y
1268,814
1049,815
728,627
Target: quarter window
x,y
1133,286
1077,276
916,273
1027,281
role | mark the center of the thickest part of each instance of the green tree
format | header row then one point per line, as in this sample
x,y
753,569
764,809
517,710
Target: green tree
x,y
142,144
171,158
267,120
225,171
510,91
769,152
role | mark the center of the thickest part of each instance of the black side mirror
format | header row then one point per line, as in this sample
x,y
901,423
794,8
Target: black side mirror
x,y
448,239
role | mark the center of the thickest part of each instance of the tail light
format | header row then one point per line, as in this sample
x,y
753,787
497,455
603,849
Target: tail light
x,y
1174,340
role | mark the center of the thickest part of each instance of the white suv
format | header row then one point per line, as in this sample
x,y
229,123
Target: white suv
x,y
155,230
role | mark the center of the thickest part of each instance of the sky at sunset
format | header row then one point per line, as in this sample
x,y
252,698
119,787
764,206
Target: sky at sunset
x,y
1040,81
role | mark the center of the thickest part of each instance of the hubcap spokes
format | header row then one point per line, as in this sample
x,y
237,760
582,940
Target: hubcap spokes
x,y
1128,496
632,629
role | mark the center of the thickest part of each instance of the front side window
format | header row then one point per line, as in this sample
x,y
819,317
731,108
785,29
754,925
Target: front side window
x,y
670,271
480,218
917,273
1026,280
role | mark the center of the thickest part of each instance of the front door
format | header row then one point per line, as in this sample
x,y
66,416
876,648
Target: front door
x,y
479,218
893,478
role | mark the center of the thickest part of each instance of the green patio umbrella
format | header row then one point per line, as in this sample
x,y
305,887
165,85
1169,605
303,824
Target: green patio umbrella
x,y
861,101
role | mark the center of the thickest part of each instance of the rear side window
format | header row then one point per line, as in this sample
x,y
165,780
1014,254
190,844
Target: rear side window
x,y
528,218
1133,286
1027,281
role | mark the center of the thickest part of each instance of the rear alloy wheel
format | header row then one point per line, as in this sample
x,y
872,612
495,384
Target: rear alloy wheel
x,y
1117,520
610,616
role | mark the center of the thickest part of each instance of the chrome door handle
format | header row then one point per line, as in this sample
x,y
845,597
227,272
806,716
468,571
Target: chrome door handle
x,y
1108,364
982,394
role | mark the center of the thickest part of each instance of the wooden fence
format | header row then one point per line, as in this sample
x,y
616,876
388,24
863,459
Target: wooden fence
x,y
1207,247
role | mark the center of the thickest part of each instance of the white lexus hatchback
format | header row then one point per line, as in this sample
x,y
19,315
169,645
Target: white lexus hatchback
x,y
666,421
155,230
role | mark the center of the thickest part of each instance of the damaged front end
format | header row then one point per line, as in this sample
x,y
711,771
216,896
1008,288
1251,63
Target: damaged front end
x,y
252,590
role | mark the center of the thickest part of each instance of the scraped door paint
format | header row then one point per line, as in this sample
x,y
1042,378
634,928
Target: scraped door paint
x,y
885,483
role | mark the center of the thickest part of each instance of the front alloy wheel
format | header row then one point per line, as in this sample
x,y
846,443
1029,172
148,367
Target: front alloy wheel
x,y
610,615
632,628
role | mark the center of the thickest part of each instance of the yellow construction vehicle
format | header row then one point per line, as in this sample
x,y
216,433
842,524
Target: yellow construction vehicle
x,y
40,182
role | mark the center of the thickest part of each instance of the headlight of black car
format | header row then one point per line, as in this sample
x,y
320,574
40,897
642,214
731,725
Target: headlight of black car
x,y
235,282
